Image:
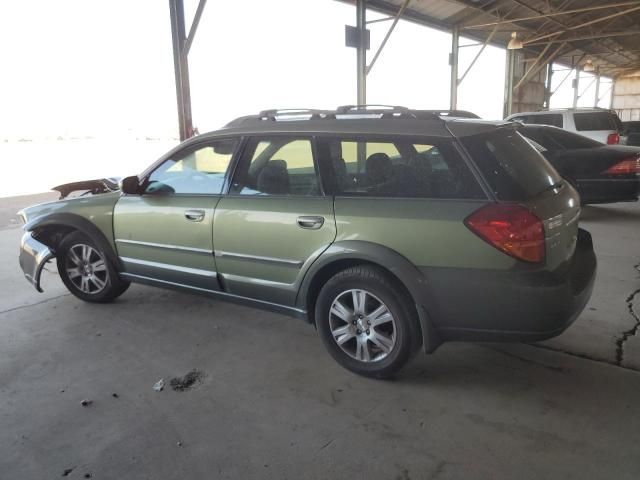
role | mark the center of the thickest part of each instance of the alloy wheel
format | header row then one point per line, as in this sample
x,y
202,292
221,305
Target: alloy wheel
x,y
86,268
362,325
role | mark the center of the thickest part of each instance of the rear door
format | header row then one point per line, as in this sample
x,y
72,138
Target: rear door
x,y
408,194
165,234
275,221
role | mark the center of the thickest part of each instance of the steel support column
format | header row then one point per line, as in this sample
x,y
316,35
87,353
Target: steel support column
x,y
181,68
361,51
576,86
508,84
547,87
597,95
453,62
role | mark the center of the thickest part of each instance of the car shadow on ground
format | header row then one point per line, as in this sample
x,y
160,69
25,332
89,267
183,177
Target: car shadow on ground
x,y
608,214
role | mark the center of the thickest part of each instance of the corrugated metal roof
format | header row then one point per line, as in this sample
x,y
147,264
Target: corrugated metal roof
x,y
608,34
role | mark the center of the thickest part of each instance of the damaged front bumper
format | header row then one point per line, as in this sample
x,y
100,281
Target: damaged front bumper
x,y
33,257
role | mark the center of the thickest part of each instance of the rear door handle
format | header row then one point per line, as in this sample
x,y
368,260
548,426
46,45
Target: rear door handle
x,y
194,215
310,222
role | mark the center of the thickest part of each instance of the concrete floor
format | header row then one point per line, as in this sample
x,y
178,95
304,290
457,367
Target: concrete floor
x,y
274,405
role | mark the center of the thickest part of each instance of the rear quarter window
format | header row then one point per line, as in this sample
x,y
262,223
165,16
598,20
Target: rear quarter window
x,y
593,121
512,167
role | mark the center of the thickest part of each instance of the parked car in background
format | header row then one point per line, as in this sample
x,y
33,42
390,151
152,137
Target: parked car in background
x,y
631,132
388,229
601,173
596,123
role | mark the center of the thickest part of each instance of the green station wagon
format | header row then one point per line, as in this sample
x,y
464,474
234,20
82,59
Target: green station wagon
x,y
389,229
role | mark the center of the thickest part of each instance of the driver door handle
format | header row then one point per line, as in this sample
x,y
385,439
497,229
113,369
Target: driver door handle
x,y
310,222
194,215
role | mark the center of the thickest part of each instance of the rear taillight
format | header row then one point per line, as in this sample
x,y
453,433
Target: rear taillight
x,y
625,167
512,229
613,139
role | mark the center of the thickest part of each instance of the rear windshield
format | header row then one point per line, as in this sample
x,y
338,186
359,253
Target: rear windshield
x,y
558,139
512,167
590,121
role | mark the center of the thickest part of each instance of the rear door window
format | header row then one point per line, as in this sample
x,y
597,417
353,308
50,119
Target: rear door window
x,y
593,121
512,167
396,167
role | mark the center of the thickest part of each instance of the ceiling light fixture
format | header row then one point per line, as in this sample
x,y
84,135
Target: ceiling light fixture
x,y
515,43
588,66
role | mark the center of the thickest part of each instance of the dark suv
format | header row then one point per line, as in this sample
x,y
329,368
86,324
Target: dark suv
x,y
388,229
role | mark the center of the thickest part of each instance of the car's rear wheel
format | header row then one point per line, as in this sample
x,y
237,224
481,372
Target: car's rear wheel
x,y
86,271
366,322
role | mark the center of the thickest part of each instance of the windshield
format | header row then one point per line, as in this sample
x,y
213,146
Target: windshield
x,y
512,167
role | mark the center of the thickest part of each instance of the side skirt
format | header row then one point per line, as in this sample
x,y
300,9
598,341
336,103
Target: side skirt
x,y
219,295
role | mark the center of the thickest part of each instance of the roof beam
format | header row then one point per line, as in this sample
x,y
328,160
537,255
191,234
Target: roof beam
x,y
386,37
484,45
583,24
194,26
588,37
552,14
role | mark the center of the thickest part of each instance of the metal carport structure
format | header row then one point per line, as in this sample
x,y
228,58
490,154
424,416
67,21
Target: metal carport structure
x,y
590,35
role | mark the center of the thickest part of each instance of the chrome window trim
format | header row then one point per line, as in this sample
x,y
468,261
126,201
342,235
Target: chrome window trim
x,y
164,245
166,266
259,258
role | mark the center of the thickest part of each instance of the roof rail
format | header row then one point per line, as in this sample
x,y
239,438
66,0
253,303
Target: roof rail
x,y
354,111
448,113
370,109
271,114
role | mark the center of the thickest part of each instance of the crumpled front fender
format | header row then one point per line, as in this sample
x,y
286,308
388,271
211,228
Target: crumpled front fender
x,y
33,257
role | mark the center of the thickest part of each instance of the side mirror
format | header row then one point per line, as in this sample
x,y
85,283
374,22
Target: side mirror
x,y
131,185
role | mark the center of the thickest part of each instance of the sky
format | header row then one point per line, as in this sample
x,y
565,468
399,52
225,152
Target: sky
x,y
92,68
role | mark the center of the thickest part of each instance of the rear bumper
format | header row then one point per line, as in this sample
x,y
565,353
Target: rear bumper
x,y
483,305
608,190
33,257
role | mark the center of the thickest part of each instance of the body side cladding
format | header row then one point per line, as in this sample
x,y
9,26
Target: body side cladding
x,y
219,295
76,222
349,252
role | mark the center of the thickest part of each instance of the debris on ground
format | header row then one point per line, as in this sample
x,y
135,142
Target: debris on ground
x,y
181,384
179,444
115,395
159,385
86,402
87,475
67,471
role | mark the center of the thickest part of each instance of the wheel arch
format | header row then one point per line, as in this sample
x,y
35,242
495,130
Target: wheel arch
x,y
346,254
50,229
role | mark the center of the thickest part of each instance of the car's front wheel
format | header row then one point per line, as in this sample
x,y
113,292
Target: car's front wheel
x,y
366,322
86,271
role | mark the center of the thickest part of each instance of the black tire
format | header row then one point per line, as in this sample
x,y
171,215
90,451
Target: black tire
x,y
404,328
102,282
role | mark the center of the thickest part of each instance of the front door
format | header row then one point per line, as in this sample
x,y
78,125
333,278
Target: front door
x,y
275,221
165,234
